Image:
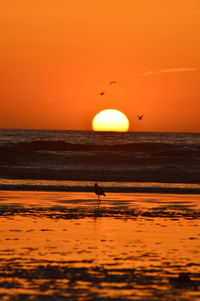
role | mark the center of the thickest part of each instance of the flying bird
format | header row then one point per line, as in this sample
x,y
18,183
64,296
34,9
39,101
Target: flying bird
x,y
101,93
112,82
99,191
140,117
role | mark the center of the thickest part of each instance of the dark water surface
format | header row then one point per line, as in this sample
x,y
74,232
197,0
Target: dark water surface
x,y
95,156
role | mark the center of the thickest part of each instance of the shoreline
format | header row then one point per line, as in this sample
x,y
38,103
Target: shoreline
x,y
88,186
51,188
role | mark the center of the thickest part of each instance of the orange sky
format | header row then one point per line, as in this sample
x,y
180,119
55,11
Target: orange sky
x,y
56,55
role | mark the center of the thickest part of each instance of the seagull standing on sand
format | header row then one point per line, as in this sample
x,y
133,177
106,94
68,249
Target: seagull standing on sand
x,y
99,191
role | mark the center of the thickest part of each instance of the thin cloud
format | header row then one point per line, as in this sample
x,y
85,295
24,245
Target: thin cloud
x,y
148,73
177,70
171,70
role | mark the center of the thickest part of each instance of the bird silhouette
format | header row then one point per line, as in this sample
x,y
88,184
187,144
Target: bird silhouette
x,y
112,82
99,191
101,93
140,117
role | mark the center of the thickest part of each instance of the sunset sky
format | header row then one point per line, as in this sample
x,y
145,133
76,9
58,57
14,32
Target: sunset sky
x,y
57,55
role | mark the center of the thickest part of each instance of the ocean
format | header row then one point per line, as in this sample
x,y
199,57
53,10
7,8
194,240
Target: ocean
x,y
74,160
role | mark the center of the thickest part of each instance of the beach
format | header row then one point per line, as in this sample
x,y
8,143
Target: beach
x,y
99,150
141,242
60,245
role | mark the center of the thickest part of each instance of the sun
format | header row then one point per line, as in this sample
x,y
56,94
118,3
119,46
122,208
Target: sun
x,y
110,120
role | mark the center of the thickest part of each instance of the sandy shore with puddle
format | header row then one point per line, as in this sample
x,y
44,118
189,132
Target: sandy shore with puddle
x,y
60,246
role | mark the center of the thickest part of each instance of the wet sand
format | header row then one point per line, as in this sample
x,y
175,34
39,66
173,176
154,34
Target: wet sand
x,y
60,246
